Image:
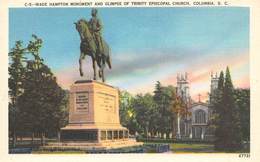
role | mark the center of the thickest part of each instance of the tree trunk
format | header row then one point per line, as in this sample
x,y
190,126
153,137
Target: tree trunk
x,y
179,129
14,139
42,139
14,126
58,136
167,135
173,131
152,133
146,132
32,138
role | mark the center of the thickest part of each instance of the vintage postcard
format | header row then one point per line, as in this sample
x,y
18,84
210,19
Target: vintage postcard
x,y
130,79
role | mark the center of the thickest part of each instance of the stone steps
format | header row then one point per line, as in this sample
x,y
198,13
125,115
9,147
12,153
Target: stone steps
x,y
88,145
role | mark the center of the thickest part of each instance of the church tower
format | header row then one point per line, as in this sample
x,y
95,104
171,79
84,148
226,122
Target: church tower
x,y
183,87
184,93
213,85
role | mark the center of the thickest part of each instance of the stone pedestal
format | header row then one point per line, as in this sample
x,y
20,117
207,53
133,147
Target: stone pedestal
x,y
94,117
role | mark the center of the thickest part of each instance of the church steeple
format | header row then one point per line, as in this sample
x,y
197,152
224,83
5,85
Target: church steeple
x,y
183,86
199,95
213,85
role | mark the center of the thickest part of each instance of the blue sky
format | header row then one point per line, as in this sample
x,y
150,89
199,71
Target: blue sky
x,y
147,44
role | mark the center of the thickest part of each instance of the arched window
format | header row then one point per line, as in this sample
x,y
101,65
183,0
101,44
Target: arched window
x,y
200,117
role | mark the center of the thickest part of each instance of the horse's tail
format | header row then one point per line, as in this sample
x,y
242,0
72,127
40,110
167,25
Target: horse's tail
x,y
107,52
109,59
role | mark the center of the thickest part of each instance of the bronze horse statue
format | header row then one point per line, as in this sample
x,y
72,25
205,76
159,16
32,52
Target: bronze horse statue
x,y
89,47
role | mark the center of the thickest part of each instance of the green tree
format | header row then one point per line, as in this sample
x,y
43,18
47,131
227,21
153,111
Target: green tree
x,y
143,106
177,108
217,119
167,113
42,103
227,117
242,99
232,117
16,77
126,112
154,119
158,99
163,100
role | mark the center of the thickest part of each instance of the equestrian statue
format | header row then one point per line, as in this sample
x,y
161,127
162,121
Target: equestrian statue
x,y
93,45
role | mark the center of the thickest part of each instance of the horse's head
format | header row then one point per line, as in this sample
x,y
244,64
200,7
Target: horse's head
x,y
82,27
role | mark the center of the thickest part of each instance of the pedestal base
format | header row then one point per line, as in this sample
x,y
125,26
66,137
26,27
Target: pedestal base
x,y
94,118
87,146
93,133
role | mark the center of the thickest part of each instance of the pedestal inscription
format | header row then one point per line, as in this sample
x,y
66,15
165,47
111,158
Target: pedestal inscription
x,y
107,102
82,100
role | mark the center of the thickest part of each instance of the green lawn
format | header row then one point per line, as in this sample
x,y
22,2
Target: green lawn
x,y
192,148
58,152
174,147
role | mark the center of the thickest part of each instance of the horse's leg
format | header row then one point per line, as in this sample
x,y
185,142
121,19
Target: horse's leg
x,y
108,60
94,68
98,60
100,73
102,69
103,75
80,65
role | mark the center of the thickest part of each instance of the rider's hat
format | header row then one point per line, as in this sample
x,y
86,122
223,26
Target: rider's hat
x,y
94,11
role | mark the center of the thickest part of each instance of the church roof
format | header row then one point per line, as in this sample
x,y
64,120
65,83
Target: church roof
x,y
199,103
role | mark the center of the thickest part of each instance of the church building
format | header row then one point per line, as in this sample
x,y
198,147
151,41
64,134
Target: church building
x,y
194,125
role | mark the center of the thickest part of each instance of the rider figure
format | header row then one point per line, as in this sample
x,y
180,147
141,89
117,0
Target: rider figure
x,y
96,28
